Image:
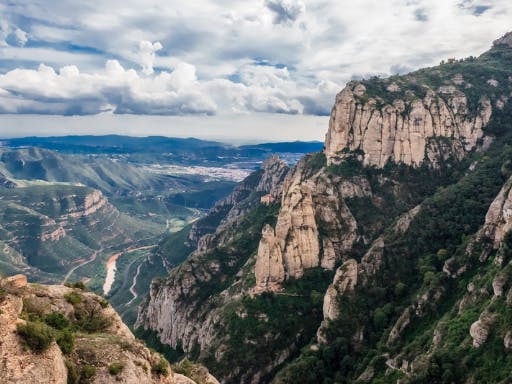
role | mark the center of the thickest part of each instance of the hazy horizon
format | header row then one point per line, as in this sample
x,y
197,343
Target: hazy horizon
x,y
226,129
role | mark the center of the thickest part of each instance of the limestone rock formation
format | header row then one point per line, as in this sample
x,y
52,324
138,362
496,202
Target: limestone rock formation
x,y
297,231
307,204
269,268
91,204
480,329
403,131
504,40
498,221
400,325
344,281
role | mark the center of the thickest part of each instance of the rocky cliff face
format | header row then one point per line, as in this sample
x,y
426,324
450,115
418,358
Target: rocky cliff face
x,y
309,201
92,202
194,322
269,269
498,221
267,180
406,131
21,365
382,237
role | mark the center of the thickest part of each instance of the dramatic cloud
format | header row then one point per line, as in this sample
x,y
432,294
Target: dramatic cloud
x,y
209,57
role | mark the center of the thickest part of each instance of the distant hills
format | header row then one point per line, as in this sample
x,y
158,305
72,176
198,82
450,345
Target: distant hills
x,y
170,149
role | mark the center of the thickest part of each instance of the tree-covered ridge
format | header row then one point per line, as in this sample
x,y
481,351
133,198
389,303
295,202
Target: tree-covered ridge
x,y
488,75
435,344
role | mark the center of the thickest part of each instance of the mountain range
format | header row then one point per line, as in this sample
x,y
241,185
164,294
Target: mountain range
x,y
383,258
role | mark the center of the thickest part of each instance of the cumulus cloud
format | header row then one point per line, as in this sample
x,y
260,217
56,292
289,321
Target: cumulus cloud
x,y
147,51
9,32
69,91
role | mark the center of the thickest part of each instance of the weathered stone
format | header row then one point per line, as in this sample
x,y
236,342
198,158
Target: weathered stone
x,y
498,283
19,365
269,269
17,281
400,325
507,340
498,220
385,134
480,329
344,281
297,231
504,40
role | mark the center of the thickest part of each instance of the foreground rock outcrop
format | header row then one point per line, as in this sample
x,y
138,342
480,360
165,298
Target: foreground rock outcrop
x,y
109,354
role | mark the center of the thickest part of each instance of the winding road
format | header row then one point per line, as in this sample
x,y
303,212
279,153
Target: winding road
x,y
90,260
134,283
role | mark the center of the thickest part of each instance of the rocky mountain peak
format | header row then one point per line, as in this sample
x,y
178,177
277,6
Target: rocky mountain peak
x,y
506,40
406,126
426,116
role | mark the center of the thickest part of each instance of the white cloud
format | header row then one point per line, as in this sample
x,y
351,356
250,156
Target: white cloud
x,y
179,92
21,36
147,51
284,56
4,32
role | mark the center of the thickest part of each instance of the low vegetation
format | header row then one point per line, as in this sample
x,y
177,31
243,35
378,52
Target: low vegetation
x,y
115,368
37,336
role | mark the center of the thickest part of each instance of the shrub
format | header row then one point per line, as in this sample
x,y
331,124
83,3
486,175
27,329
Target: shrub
x,y
115,368
90,318
3,294
160,368
77,284
73,375
103,303
66,341
87,373
37,336
33,309
57,320
73,298
400,289
197,373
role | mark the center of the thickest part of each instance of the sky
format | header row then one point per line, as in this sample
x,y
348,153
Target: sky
x,y
253,70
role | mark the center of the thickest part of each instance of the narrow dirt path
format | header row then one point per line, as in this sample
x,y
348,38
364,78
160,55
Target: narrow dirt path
x,y
134,283
90,260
